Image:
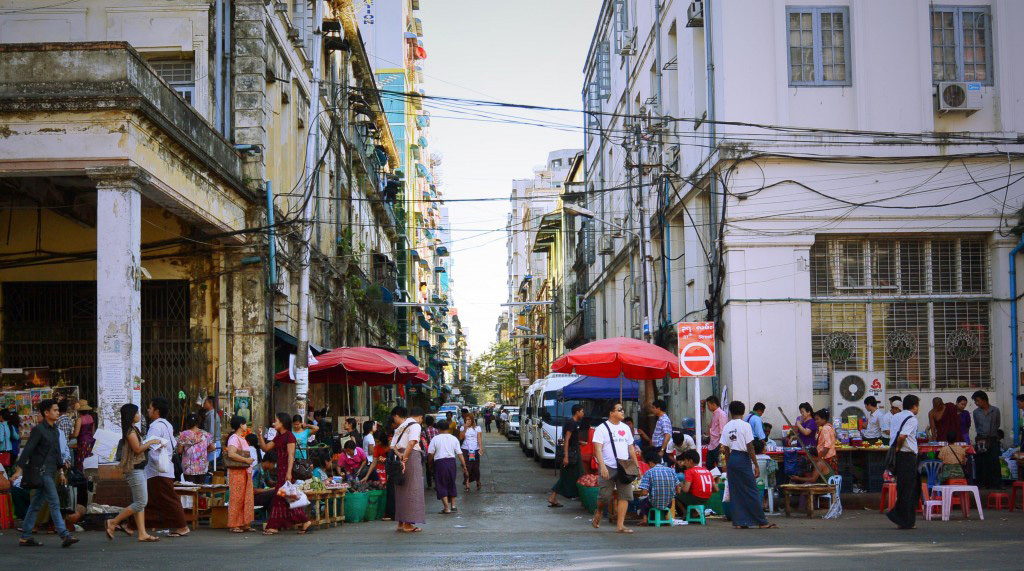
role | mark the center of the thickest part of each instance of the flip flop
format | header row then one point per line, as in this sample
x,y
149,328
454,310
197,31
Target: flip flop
x,y
124,530
624,530
555,505
769,526
413,530
150,539
110,532
268,532
442,512
236,530
596,522
176,534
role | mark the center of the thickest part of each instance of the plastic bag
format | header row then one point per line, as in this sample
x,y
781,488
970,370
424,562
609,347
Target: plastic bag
x,y
300,502
294,494
160,456
725,494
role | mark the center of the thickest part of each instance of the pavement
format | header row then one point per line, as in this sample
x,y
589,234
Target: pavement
x,y
507,525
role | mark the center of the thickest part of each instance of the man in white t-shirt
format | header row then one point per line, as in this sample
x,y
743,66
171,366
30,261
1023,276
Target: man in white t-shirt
x,y
613,441
442,452
743,471
908,482
503,418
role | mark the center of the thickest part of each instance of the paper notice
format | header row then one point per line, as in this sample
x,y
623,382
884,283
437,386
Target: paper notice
x,y
113,380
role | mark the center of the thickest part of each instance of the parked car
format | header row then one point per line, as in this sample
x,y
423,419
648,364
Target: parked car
x,y
512,428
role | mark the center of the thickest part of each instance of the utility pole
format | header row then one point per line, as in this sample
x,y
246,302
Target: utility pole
x,y
312,180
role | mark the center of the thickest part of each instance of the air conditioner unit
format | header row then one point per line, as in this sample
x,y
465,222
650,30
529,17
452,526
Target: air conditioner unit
x,y
627,43
695,14
850,388
959,96
618,225
605,245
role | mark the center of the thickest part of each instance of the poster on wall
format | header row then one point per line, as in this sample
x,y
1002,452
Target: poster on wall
x,y
243,407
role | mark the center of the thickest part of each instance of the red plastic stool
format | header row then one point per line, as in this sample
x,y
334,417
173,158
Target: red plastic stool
x,y
1013,494
888,495
998,501
6,511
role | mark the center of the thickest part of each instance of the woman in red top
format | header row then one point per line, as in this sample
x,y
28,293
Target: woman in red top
x,y
282,516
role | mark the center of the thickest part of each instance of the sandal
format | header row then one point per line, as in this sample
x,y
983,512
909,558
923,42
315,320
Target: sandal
x,y
624,530
237,530
308,528
596,522
150,539
30,542
555,505
176,534
442,512
270,532
769,526
124,530
413,530
110,532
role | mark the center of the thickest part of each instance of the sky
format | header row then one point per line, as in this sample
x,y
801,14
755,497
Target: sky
x,y
526,51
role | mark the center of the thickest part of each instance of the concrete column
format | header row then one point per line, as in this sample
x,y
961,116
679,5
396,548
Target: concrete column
x,y
118,280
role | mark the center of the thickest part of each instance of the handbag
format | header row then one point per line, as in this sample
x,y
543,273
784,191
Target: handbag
x,y
627,469
890,455
232,464
574,451
301,470
393,462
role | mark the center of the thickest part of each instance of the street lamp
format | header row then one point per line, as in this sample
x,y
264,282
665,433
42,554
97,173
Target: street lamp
x,y
648,266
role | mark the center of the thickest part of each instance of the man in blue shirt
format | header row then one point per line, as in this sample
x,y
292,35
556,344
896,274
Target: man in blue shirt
x,y
657,485
662,434
754,420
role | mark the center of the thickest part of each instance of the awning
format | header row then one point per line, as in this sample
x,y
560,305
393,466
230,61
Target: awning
x,y
601,388
291,342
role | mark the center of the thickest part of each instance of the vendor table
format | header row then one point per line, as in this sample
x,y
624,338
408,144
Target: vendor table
x,y
215,495
809,490
193,493
332,512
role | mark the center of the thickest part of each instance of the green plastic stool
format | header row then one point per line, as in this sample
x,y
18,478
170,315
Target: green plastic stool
x,y
654,517
700,514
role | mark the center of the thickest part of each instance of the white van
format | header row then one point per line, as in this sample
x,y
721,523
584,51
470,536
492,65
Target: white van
x,y
527,416
551,413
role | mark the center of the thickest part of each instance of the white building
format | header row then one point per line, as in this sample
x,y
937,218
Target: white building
x,y
872,235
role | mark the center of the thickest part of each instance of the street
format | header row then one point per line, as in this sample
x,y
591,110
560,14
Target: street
x,y
508,526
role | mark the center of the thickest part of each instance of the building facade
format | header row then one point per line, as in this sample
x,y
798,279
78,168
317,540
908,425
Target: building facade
x,y
842,198
164,156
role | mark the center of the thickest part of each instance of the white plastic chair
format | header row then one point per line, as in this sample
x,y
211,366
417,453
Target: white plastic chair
x,y
837,484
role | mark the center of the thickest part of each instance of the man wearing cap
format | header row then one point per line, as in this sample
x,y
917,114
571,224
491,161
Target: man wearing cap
x,y
873,430
895,407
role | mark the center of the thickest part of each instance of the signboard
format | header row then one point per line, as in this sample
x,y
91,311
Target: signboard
x,y
697,349
456,392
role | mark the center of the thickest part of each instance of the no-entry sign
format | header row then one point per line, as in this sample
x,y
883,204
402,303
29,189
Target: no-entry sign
x,y
697,349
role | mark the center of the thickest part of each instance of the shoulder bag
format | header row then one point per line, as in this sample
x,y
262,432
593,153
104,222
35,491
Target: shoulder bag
x,y
393,462
627,469
231,463
890,455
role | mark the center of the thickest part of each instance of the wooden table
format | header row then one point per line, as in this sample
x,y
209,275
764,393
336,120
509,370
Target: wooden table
x,y
193,493
215,495
809,490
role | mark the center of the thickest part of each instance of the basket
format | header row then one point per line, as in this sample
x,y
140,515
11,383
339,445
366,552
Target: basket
x,y
376,504
588,497
355,506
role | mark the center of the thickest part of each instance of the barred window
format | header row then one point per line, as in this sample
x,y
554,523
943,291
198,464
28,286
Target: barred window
x,y
917,308
819,45
179,74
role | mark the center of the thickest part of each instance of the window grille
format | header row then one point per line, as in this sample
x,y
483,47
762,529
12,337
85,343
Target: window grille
x,y
918,308
962,44
592,96
819,46
604,70
621,22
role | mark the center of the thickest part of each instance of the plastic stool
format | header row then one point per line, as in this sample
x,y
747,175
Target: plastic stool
x,y
700,514
6,511
998,501
1013,494
658,518
929,507
888,496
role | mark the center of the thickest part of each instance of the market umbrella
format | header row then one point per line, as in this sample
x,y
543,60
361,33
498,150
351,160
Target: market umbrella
x,y
619,357
358,365
600,388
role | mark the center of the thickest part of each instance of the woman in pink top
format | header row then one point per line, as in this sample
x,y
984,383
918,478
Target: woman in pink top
x,y
240,506
193,444
352,462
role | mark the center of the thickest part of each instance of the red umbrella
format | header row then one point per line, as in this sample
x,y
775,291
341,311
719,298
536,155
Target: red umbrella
x,y
619,357
358,365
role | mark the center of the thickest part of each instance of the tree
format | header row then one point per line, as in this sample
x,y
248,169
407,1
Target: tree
x,y
494,373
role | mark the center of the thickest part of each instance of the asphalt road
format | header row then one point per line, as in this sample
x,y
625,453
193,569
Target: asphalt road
x,y
508,526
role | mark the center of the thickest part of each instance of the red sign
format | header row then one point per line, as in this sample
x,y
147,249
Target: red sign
x,y
697,349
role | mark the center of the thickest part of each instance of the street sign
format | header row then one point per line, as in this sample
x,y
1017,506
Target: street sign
x,y
697,349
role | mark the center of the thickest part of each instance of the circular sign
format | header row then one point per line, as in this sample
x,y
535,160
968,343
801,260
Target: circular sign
x,y
697,359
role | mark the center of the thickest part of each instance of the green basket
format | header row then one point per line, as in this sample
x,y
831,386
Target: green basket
x,y
376,504
588,496
355,506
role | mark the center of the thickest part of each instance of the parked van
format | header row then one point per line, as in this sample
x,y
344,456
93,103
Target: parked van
x,y
527,416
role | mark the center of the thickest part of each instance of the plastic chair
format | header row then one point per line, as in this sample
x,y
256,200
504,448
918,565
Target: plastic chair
x,y
762,484
929,507
931,469
836,482
998,501
6,510
695,518
888,496
658,518
1013,494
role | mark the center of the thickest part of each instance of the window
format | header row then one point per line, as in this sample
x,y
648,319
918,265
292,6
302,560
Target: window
x,y
917,308
819,46
962,44
604,70
179,74
620,19
593,106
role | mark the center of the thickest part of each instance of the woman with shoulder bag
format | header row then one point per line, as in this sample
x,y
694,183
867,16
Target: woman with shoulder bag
x,y
410,508
239,463
281,515
953,457
133,463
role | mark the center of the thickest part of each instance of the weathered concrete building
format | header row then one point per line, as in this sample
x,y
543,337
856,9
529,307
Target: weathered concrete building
x,y
140,145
